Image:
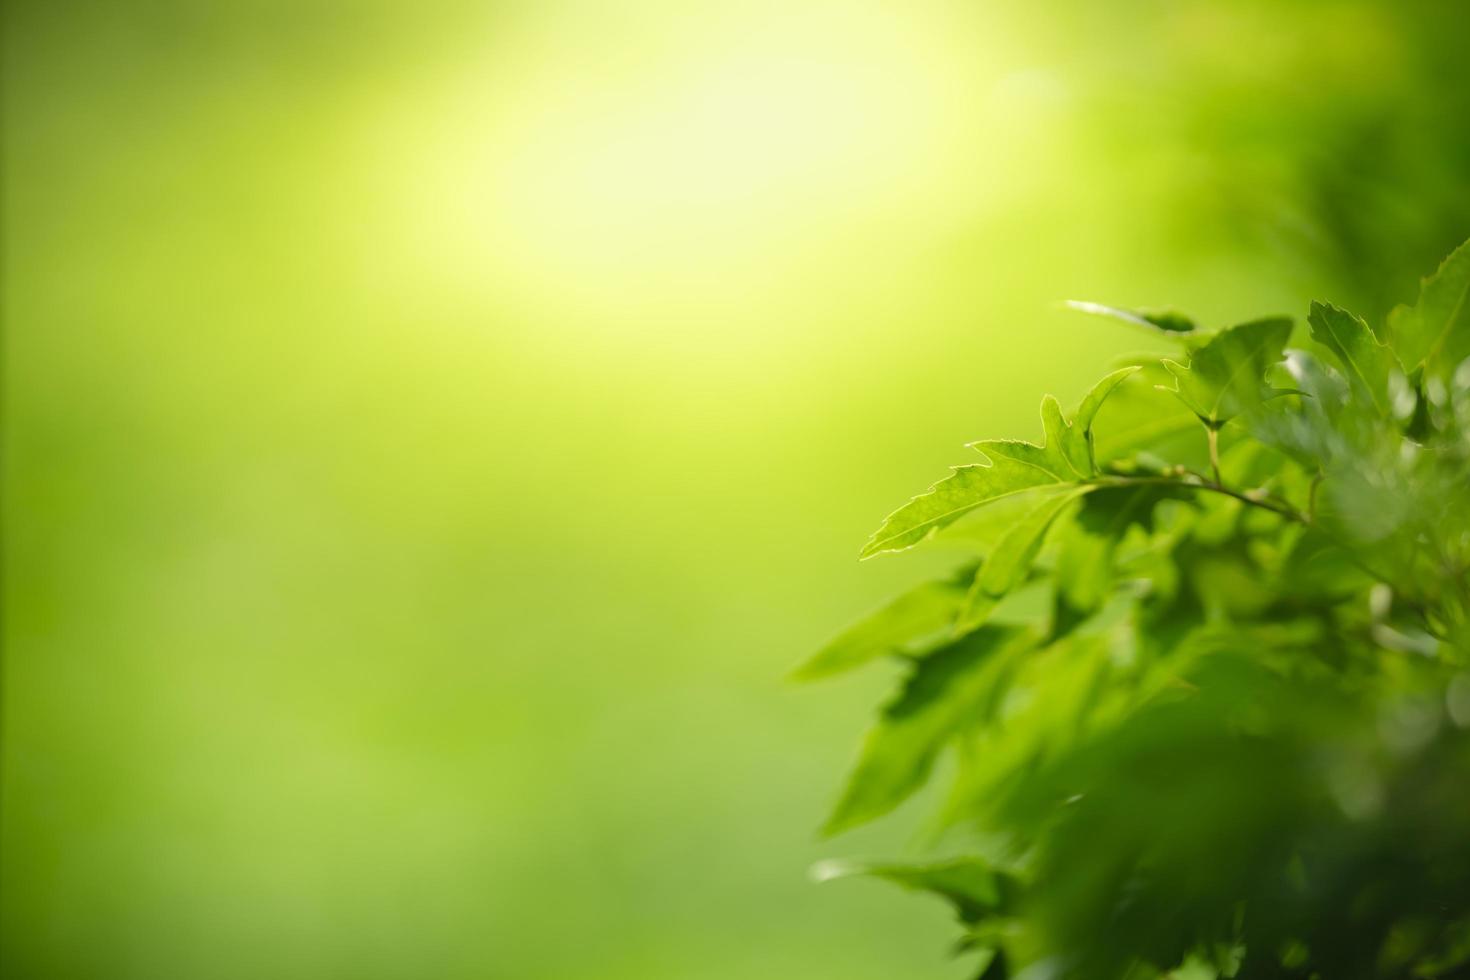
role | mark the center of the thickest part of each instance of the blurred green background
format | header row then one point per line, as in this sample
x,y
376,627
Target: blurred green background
x,y
431,431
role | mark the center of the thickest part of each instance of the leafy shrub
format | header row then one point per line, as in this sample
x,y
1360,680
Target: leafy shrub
x,y
1206,692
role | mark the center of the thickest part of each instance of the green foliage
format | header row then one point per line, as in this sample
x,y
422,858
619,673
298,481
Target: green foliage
x,y
974,889
1433,335
1226,375
1238,744
1368,364
1163,321
1064,457
914,623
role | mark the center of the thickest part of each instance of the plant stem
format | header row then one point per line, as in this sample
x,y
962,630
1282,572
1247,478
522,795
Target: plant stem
x,y
1283,510
1213,434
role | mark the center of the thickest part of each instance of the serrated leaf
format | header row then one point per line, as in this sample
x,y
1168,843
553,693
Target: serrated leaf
x,y
1367,364
975,889
1253,753
1434,333
916,622
1050,457
943,690
965,489
1007,566
980,533
1014,466
1227,375
1160,321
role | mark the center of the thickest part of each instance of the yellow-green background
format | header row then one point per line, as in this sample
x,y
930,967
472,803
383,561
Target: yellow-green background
x,y
431,430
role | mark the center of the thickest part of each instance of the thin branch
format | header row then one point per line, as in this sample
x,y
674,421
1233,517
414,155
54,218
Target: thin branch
x,y
1312,497
1213,434
1281,509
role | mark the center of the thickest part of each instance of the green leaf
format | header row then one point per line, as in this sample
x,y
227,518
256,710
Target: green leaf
x,y
1140,418
1161,321
913,624
1014,466
1307,434
1080,438
1367,364
966,488
1007,566
1226,376
1327,390
975,889
945,690
1434,333
1084,572
1262,748
1050,457
997,969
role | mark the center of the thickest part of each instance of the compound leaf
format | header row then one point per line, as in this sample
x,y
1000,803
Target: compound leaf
x,y
1014,466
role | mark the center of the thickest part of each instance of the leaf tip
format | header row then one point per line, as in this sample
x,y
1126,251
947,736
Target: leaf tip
x,y
803,673
831,870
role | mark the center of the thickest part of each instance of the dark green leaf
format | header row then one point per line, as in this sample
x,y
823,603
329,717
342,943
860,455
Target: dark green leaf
x,y
1084,572
998,968
1161,321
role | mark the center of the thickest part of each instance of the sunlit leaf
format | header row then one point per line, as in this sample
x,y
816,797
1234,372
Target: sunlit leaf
x,y
1014,466
1250,760
1138,417
1079,439
965,489
942,691
1006,567
1226,376
912,624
